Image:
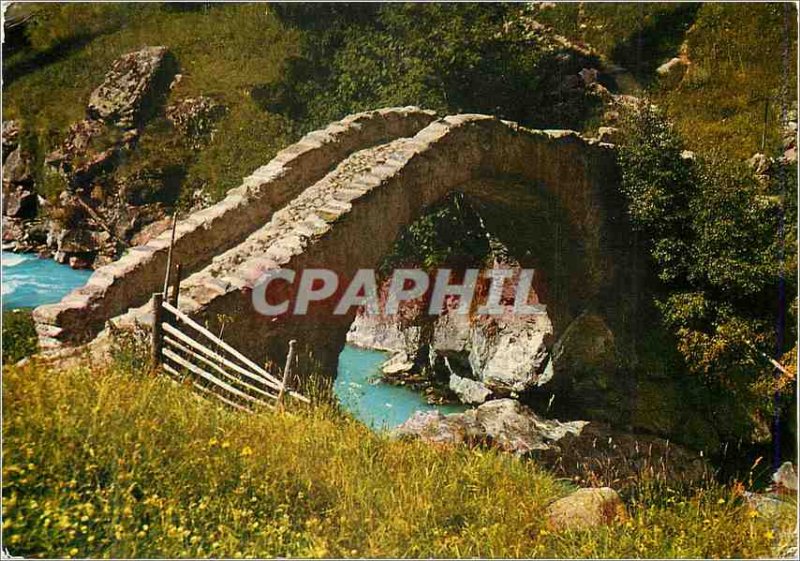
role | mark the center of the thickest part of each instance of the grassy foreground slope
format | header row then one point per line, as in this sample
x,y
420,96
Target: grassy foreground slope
x,y
104,463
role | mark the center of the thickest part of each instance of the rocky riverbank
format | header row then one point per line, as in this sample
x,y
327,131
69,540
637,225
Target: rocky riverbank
x,y
77,205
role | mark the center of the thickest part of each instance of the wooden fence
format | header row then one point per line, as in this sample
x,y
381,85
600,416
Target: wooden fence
x,y
191,354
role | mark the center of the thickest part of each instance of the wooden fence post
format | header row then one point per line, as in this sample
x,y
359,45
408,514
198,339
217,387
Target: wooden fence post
x,y
169,253
157,339
176,286
286,370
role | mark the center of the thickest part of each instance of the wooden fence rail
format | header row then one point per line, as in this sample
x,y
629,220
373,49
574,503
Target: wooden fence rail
x,y
192,354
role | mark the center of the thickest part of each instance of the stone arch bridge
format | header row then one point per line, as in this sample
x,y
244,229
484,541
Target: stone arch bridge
x,y
338,199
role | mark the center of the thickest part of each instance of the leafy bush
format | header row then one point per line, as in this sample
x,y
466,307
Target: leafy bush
x,y
714,233
19,335
447,57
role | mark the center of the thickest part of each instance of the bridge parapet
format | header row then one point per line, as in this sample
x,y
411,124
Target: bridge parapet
x,y
349,219
131,280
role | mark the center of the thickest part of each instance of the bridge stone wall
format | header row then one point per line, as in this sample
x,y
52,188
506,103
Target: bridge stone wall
x,y
130,281
350,218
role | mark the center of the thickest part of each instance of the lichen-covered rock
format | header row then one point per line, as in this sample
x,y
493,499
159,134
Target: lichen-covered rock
x,y
17,168
119,99
433,426
585,508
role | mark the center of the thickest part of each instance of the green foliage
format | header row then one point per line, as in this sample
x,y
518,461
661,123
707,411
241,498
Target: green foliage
x,y
448,233
714,234
100,463
57,25
638,36
19,335
130,349
447,57
736,60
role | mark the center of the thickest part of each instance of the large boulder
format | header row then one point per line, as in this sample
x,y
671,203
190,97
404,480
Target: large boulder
x,y
510,353
120,99
585,508
19,202
115,111
383,334
467,390
504,423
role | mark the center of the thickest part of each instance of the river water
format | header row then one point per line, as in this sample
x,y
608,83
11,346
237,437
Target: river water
x,y
28,281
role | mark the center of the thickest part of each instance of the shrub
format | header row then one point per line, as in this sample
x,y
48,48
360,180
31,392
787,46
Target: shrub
x,y
715,237
19,335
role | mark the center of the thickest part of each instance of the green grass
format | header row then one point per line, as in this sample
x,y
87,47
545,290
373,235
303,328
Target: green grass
x,y
736,54
100,463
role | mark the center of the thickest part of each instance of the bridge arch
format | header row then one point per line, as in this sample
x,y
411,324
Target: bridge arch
x,y
349,219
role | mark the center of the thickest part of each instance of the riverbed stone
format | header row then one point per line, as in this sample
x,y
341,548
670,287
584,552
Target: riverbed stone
x,y
469,391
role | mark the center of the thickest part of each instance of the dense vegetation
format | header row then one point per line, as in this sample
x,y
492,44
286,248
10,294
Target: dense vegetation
x,y
724,244
99,463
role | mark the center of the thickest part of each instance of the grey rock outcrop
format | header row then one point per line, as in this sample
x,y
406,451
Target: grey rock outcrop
x,y
115,110
510,353
504,423
19,202
120,99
